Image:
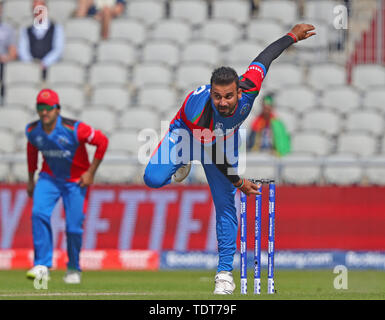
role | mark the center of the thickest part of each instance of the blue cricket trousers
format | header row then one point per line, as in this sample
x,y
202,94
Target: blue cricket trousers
x,y
46,194
164,163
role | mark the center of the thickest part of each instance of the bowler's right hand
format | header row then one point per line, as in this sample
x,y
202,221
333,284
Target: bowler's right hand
x,y
250,188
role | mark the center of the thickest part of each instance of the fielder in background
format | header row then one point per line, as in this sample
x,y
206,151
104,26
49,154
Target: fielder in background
x,y
67,173
211,115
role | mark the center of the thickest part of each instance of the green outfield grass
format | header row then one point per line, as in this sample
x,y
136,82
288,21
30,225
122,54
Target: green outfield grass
x,y
192,285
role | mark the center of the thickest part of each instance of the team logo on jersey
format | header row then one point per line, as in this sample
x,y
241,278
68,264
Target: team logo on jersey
x,y
244,109
218,129
39,141
63,140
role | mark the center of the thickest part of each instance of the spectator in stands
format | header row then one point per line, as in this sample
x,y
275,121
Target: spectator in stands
x,y
8,49
268,133
43,41
101,10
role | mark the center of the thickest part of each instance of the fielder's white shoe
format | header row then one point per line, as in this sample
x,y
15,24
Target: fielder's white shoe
x,y
38,272
72,277
182,172
224,283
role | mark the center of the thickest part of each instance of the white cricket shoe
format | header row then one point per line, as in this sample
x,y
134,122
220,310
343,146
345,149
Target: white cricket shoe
x,y
72,277
182,172
39,272
224,283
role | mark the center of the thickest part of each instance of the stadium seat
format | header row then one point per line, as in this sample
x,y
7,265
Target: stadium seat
x,y
283,10
298,98
320,9
176,30
124,141
61,10
133,119
369,121
164,51
265,31
374,98
83,28
359,143
311,142
239,11
133,30
117,98
17,11
71,96
150,74
15,120
368,75
220,31
191,76
19,171
194,11
162,98
22,72
66,72
78,51
149,11
281,75
300,169
290,119
21,94
108,73
200,51
319,43
326,75
110,172
322,120
375,170
99,118
4,172
7,140
119,51
342,99
261,165
243,53
342,169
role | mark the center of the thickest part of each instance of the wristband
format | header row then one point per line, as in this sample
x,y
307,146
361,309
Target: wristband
x,y
241,185
293,36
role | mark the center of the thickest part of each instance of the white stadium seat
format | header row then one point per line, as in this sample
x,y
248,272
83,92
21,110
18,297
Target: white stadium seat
x,y
7,141
162,98
341,99
244,52
265,31
326,75
21,94
375,170
15,119
118,51
149,11
367,75
151,73
191,76
298,98
375,98
281,75
323,120
61,10
22,72
71,96
66,72
283,10
124,141
100,119
311,142
344,170
359,143
115,97
221,31
200,51
133,30
237,10
17,10
261,165
289,118
194,11
299,169
369,121
164,51
108,73
83,28
19,171
133,119
320,9
79,51
4,172
176,30
117,173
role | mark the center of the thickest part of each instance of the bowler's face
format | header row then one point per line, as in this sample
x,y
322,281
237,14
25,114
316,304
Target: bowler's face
x,y
225,97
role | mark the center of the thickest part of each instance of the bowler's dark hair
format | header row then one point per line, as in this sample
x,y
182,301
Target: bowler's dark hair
x,y
224,76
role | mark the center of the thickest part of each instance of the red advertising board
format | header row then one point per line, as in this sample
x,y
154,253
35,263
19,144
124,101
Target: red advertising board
x,y
183,218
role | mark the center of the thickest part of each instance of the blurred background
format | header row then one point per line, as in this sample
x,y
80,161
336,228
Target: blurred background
x,y
328,92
